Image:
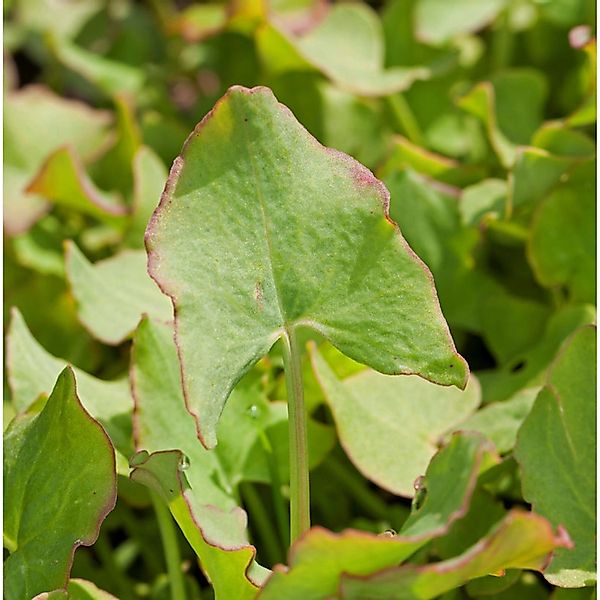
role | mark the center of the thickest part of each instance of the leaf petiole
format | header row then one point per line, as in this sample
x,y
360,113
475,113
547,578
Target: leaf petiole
x,y
299,483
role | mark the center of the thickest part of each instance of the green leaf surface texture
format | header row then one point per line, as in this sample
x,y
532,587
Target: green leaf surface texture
x,y
63,448
260,231
556,452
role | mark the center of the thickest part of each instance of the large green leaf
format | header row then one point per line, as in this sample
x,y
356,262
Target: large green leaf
x,y
318,560
112,294
521,541
59,485
556,451
32,371
302,240
218,537
390,427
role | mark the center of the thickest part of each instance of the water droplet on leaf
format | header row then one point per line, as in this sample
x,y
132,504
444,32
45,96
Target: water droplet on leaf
x,y
253,412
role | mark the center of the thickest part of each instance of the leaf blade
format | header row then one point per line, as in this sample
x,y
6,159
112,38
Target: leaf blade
x,y
270,280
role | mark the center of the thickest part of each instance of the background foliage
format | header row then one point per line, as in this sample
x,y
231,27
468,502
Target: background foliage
x,y
479,116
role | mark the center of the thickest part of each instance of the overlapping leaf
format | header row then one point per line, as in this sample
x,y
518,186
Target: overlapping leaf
x,y
32,372
521,541
218,537
390,427
319,559
562,246
204,503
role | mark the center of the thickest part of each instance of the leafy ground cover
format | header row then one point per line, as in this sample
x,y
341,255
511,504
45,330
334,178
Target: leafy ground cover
x,y
300,300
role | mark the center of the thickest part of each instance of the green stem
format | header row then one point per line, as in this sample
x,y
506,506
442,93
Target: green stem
x,y
406,118
263,522
280,504
171,548
299,485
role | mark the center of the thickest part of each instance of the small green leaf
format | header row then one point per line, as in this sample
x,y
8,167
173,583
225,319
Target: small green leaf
x,y
448,485
521,541
562,246
390,427
218,537
536,172
347,45
319,559
62,449
109,76
302,241
32,371
556,452
557,138
500,421
112,294
405,154
483,200
438,21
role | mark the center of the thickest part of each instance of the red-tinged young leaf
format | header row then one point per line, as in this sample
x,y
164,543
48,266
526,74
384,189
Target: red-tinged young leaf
x,y
218,537
556,452
320,557
261,231
521,541
59,485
